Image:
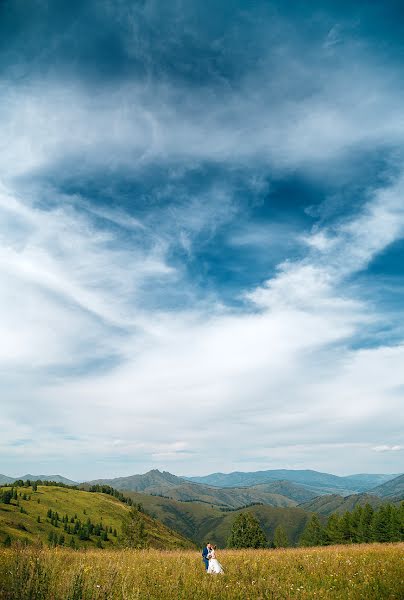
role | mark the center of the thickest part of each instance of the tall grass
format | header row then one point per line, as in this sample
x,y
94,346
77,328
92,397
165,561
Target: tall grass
x,y
348,573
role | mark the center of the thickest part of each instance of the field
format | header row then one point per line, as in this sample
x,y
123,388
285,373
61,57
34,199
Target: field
x,y
368,572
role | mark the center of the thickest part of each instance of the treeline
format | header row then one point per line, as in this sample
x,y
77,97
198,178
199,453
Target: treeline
x,y
362,525
35,482
107,489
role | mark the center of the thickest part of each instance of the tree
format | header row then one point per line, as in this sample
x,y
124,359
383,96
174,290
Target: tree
x,y
6,497
281,539
381,524
7,542
246,532
333,530
313,534
365,525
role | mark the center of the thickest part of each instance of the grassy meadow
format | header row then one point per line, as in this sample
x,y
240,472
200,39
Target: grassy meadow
x,y
356,572
26,520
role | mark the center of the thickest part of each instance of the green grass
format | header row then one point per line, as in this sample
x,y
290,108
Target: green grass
x,y
368,572
24,526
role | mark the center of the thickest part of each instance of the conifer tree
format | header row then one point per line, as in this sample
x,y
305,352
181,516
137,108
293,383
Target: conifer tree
x,y
281,539
365,526
313,534
246,532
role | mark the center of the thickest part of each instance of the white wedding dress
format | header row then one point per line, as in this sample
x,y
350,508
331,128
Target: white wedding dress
x,y
214,564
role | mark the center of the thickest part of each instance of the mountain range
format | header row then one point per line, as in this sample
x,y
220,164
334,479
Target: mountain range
x,y
280,488
323,483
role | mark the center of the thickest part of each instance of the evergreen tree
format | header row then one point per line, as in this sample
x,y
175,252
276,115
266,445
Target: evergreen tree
x,y
6,497
333,530
246,532
365,525
281,539
381,525
313,534
346,528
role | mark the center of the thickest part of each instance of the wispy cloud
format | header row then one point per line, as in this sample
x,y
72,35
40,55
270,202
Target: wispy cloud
x,y
130,202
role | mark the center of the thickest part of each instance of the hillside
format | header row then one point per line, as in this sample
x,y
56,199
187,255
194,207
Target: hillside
x,y
288,489
393,489
165,484
321,483
325,505
201,522
30,520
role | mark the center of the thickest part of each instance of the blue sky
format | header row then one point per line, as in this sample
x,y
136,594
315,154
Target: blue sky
x,y
201,236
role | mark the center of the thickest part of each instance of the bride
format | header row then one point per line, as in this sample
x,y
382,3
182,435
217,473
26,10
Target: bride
x,y
214,564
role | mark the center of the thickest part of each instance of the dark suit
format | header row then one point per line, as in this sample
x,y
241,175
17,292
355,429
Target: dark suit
x,y
205,553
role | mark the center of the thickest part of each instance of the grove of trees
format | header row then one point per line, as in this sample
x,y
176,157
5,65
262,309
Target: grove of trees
x,y
362,525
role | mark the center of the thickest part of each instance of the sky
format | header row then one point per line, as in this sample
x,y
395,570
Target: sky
x,y
201,236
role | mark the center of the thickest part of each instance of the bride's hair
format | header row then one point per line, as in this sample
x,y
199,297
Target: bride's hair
x,y
214,547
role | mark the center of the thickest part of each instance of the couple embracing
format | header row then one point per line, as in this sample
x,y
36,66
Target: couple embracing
x,y
212,565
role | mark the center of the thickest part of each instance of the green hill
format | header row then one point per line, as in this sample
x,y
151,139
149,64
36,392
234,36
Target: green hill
x,y
89,519
201,522
325,505
393,489
288,489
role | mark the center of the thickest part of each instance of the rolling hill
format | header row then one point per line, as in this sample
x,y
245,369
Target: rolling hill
x,y
325,505
201,522
393,489
34,518
165,484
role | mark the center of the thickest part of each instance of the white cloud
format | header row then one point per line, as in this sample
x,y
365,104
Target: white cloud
x,y
216,387
230,384
387,448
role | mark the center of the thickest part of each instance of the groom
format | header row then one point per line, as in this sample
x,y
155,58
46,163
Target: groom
x,y
205,554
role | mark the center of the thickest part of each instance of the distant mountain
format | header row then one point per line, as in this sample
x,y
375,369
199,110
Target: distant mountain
x,y
57,478
322,483
5,479
393,489
364,482
151,482
165,484
325,505
294,491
